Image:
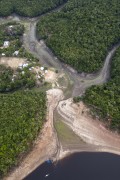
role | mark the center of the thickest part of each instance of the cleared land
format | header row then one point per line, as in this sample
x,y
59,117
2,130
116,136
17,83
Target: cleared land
x,y
12,62
92,131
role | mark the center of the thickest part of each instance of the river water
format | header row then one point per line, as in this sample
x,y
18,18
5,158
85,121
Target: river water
x,y
80,166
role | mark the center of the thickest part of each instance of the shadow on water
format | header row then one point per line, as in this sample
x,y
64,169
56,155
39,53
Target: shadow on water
x,y
80,166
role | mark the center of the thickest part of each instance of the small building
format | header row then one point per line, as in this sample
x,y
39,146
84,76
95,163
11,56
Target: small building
x,y
25,65
41,68
11,26
3,54
15,53
6,44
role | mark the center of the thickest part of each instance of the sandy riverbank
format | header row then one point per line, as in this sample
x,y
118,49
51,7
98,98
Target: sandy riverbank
x,y
92,131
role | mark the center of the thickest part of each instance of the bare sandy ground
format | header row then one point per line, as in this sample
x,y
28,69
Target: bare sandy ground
x,y
92,131
46,144
12,62
50,76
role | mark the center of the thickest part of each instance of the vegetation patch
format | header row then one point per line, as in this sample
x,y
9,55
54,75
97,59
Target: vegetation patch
x,y
104,100
82,32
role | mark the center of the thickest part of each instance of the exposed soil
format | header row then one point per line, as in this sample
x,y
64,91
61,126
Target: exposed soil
x,y
12,62
91,130
50,76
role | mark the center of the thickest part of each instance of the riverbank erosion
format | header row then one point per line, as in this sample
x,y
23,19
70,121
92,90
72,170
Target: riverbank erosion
x,y
45,146
92,131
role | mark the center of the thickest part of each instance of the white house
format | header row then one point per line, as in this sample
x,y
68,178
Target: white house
x,y
6,44
16,53
25,65
3,54
11,26
41,68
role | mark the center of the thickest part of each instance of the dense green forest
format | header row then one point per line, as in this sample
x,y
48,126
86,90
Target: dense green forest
x,y
104,100
27,7
82,32
21,117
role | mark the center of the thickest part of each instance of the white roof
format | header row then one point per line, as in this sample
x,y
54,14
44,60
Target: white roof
x,y
6,43
46,71
3,54
42,68
16,53
25,65
10,26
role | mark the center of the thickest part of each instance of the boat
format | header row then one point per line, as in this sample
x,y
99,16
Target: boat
x,y
46,175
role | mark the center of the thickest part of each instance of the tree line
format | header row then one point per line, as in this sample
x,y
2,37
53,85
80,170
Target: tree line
x,y
29,8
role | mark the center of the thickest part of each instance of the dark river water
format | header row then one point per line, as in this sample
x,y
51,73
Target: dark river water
x,y
80,166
